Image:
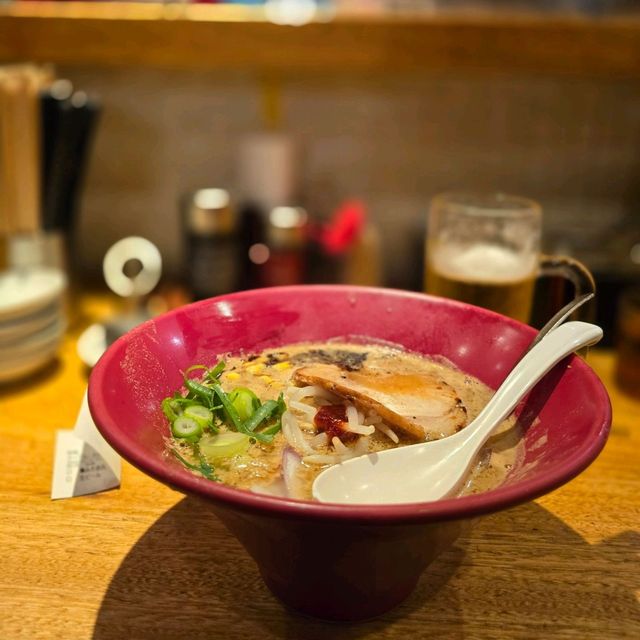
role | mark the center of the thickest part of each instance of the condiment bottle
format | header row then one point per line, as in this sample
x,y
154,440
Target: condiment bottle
x,y
267,177
362,264
285,241
212,254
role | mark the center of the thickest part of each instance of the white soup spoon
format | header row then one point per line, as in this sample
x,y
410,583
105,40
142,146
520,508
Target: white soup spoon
x,y
432,470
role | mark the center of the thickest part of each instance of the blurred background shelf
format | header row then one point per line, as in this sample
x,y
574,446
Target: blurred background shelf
x,y
239,38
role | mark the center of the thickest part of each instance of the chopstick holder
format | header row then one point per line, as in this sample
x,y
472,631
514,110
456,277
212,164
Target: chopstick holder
x,y
83,461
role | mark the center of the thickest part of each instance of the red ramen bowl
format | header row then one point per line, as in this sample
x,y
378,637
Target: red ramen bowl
x,y
334,561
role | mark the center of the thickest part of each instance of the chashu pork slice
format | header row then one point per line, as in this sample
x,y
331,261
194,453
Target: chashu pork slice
x,y
420,405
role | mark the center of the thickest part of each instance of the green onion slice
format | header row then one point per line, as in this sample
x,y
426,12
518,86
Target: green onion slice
x,y
224,445
270,409
202,415
272,429
245,402
200,390
216,372
170,409
233,416
264,412
186,428
227,406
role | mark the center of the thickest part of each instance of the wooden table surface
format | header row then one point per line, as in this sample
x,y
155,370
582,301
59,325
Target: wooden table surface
x,y
146,562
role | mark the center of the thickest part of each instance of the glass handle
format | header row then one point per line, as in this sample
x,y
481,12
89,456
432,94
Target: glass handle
x,y
569,269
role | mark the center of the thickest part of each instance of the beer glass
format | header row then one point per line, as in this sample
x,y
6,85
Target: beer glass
x,y
485,250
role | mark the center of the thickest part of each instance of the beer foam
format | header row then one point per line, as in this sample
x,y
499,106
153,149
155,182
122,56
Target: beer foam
x,y
484,263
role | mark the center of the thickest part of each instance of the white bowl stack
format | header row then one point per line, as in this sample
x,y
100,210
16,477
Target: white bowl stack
x,y
32,319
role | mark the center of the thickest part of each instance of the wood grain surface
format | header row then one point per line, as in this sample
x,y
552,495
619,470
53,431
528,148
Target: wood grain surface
x,y
145,562
234,37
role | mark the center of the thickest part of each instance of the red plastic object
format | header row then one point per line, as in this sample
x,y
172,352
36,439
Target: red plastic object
x,y
377,553
345,227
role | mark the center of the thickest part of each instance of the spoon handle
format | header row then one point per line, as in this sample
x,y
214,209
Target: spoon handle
x,y
560,317
534,365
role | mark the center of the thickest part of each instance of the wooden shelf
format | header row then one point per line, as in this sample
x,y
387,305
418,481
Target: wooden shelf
x,y
235,37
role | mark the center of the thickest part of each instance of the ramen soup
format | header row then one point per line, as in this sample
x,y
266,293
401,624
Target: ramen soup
x,y
271,422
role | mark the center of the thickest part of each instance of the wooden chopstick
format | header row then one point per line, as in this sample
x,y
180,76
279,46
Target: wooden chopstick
x,y
31,123
5,222
9,87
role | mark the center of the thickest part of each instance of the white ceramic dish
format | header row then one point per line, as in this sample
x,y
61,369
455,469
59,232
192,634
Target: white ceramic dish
x,y
53,334
13,331
14,370
24,292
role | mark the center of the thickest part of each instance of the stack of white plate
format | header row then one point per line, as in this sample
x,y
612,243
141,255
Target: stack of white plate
x,y
32,322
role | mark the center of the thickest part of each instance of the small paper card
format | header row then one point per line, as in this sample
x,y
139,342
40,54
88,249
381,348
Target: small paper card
x,y
84,463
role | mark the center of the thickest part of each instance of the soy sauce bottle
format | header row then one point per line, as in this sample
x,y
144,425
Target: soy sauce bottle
x,y
212,243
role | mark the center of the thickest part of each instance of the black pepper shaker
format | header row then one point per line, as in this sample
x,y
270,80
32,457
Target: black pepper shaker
x,y
212,243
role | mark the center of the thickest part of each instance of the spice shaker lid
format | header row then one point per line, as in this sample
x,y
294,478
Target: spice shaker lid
x,y
209,212
286,227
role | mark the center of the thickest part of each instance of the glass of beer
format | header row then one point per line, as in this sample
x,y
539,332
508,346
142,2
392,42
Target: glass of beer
x,y
485,250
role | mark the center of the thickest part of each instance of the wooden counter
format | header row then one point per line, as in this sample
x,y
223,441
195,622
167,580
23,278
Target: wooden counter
x,y
145,562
